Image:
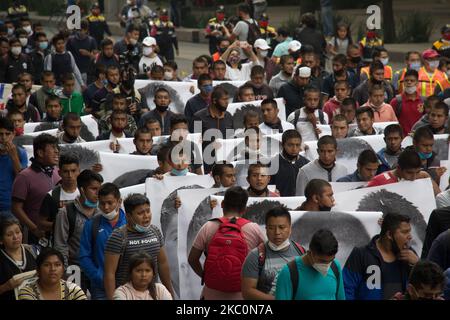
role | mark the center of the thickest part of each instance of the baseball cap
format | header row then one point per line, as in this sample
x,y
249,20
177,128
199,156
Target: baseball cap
x,y
149,41
430,54
294,45
304,72
261,44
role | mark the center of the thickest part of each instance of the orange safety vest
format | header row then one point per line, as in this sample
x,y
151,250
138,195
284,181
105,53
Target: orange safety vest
x,y
216,56
445,84
401,78
427,84
388,74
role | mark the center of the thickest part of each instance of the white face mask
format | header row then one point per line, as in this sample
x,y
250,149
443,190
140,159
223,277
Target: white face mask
x,y
282,246
433,64
10,31
410,90
263,53
168,75
147,51
23,41
27,29
16,50
110,216
322,268
133,41
384,61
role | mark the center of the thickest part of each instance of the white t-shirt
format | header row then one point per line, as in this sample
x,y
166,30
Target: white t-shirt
x,y
167,174
304,127
112,137
148,63
240,75
69,196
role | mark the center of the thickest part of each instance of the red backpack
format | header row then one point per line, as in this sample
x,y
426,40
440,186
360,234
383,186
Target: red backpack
x,y
225,256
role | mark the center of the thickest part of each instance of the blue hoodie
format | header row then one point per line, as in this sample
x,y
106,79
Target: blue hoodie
x,y
360,273
92,258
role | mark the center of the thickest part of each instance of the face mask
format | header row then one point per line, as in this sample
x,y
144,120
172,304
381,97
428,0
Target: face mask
x,y
415,66
425,156
384,61
110,216
433,64
18,131
324,208
410,90
282,246
263,53
221,108
105,82
141,229
371,34
16,50
220,16
23,41
168,75
27,29
43,45
147,51
207,88
10,31
179,173
234,59
90,204
133,41
355,59
322,268
162,108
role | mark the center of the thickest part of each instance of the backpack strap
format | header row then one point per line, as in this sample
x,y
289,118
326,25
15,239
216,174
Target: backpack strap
x,y
56,193
321,117
261,258
300,250
71,217
337,274
296,116
293,271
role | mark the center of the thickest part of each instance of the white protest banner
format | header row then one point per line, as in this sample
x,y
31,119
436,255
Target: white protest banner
x,y
233,149
125,192
351,228
412,198
239,109
88,120
180,92
158,192
444,182
124,169
326,129
258,207
231,87
51,132
195,211
349,149
346,186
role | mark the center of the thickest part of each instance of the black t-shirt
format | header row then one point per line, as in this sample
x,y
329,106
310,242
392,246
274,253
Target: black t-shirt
x,y
8,269
392,279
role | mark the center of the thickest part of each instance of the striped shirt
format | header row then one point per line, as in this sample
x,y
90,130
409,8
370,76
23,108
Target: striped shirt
x,y
150,242
69,291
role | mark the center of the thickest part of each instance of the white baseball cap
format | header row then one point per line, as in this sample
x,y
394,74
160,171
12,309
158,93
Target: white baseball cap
x,y
261,44
149,41
304,72
294,46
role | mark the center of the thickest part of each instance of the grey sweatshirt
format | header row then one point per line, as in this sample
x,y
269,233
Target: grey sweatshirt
x,y
313,170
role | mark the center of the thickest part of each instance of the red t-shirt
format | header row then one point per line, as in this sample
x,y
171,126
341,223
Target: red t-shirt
x,y
382,179
412,111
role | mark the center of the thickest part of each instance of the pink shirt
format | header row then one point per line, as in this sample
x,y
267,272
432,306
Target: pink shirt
x,y
385,113
253,236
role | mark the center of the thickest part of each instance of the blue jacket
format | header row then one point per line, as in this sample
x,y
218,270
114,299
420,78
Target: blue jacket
x,y
353,177
384,165
363,269
92,258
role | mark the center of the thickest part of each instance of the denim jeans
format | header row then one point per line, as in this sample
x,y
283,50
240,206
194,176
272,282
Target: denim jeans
x,y
327,21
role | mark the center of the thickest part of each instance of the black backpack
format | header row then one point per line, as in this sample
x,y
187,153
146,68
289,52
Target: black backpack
x,y
254,32
293,272
398,110
297,115
262,254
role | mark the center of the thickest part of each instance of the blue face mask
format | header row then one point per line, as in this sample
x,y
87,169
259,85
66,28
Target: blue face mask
x,y
90,204
415,66
207,88
140,228
43,45
179,173
425,156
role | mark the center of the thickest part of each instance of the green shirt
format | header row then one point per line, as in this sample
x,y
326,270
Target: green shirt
x,y
73,104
